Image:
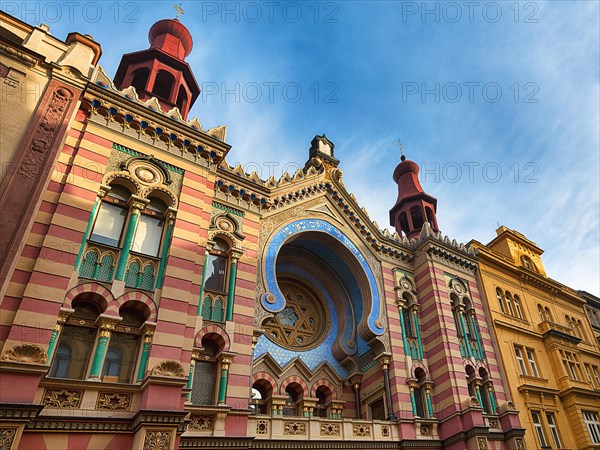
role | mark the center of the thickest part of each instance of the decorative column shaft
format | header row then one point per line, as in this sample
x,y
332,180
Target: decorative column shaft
x,y
418,332
231,290
88,230
137,204
145,353
106,328
492,398
356,386
428,400
385,362
413,402
62,318
466,345
202,283
190,382
165,249
223,382
477,338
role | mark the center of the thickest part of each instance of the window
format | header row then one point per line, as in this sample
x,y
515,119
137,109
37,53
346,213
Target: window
x,y
532,362
571,364
509,304
205,374
149,229
163,85
324,396
591,420
518,309
377,410
553,430
123,347
408,323
539,429
544,313
261,393
216,267
292,393
520,361
421,407
76,342
596,376
108,227
588,372
500,298
528,263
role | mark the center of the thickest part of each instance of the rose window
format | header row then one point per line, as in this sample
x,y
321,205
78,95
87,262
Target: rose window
x,y
302,324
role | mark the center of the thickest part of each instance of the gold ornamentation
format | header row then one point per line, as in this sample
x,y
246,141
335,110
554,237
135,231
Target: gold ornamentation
x,y
26,353
62,398
425,430
168,369
146,174
520,444
157,440
330,429
385,431
270,298
361,430
201,423
482,443
7,436
262,427
113,401
294,428
303,323
494,423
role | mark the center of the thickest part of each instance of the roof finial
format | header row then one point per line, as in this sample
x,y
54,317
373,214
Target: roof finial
x,y
402,157
179,10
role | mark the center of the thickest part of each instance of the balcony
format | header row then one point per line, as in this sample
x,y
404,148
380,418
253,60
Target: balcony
x,y
265,427
552,329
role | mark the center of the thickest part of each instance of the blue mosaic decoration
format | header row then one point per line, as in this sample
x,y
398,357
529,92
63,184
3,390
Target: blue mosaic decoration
x,y
274,301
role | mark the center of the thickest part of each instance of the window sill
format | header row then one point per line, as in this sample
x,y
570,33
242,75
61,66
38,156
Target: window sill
x,y
518,319
89,384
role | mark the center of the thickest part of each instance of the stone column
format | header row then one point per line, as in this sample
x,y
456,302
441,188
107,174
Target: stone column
x,y
427,386
235,255
225,362
190,383
356,380
107,325
166,246
148,334
384,362
412,385
62,318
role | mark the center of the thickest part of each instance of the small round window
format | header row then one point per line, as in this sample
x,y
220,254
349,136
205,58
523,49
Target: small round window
x,y
303,323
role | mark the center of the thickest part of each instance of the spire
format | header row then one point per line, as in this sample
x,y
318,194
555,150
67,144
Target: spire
x,y
161,70
413,207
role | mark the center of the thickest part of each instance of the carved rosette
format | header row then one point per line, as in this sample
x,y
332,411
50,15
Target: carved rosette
x,y
385,431
201,423
262,427
361,430
62,398
169,369
330,429
26,354
294,429
157,440
113,401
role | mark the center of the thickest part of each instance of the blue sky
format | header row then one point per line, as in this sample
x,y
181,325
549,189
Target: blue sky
x,y
499,103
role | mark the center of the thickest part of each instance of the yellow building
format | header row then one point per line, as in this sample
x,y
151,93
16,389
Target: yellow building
x,y
546,343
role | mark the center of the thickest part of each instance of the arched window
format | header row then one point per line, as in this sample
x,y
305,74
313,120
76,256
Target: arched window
x,y
261,397
293,396
485,391
416,214
111,218
544,313
182,99
430,217
528,263
140,79
150,226
500,298
404,223
217,265
205,373
163,85
123,347
455,302
509,304
419,394
408,323
324,396
547,314
76,341
518,309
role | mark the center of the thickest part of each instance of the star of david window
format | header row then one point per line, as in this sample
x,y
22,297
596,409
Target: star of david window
x,y
303,323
